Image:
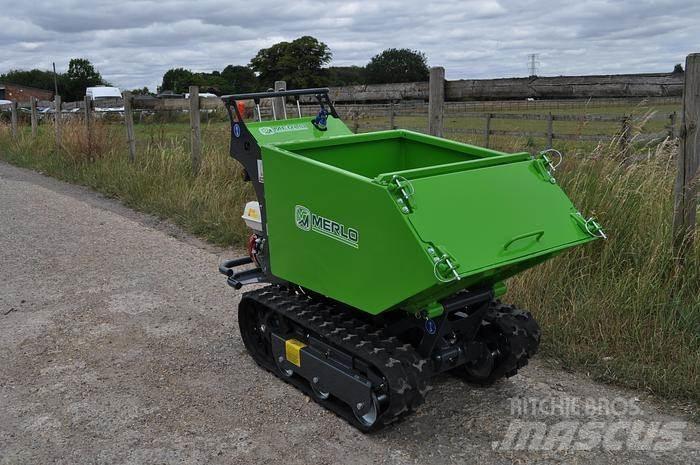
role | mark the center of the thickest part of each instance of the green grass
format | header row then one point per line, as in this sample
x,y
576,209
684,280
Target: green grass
x,y
623,310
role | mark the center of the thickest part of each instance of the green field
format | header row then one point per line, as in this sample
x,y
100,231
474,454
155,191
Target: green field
x,y
623,310
646,118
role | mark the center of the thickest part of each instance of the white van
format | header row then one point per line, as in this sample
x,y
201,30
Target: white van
x,y
203,95
102,92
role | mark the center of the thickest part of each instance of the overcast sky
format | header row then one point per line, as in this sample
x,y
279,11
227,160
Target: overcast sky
x,y
132,43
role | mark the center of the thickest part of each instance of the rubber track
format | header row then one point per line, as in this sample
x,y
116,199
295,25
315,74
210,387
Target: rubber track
x,y
521,335
406,373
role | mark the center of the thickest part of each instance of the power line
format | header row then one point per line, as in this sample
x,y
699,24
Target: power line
x,y
532,64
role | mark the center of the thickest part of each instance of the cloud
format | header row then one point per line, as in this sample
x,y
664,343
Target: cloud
x,y
133,43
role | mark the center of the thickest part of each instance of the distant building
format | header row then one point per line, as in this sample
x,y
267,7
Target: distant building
x,y
19,93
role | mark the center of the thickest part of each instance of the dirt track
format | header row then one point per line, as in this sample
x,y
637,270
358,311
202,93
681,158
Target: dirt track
x,y
119,344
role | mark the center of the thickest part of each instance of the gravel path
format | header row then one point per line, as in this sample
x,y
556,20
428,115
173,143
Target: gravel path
x,y
119,344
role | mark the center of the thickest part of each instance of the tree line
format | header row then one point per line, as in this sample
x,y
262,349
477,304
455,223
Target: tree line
x,y
302,62
80,75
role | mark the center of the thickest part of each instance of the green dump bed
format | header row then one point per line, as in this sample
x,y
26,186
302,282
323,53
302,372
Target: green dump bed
x,y
397,218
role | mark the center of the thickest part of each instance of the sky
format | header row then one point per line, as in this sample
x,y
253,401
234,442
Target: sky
x,y
132,43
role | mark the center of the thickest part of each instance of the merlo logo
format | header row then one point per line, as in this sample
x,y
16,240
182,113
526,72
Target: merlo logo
x,y
303,217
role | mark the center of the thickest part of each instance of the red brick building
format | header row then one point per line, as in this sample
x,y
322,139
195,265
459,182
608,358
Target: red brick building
x,y
19,93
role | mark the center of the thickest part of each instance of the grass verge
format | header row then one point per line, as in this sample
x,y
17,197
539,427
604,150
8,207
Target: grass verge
x,y
623,310
158,182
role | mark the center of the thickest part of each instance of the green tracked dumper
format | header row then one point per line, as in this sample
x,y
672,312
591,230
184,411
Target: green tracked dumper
x,y
385,255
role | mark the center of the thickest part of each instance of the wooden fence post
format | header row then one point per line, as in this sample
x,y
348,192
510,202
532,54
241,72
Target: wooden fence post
x,y
34,120
13,118
279,104
195,130
487,130
686,187
550,130
57,120
88,123
129,123
672,125
392,115
436,100
625,133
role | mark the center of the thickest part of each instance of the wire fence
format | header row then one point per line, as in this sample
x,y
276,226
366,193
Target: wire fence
x,y
537,123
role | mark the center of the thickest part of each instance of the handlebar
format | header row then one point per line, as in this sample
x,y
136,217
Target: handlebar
x,y
226,267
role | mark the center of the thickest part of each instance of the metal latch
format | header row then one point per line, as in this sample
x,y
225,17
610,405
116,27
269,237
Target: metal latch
x,y
546,167
590,225
444,266
403,189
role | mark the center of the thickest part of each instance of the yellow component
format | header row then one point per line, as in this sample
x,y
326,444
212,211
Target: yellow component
x,y
253,213
292,349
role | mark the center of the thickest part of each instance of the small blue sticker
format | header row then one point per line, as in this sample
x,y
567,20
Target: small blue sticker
x,y
430,326
237,130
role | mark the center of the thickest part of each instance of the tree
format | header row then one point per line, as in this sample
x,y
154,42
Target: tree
x,y
38,78
299,63
142,91
231,79
346,75
678,68
397,65
177,80
81,74
239,79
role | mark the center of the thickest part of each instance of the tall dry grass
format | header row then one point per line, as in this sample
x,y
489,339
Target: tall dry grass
x,y
158,182
622,310
80,146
